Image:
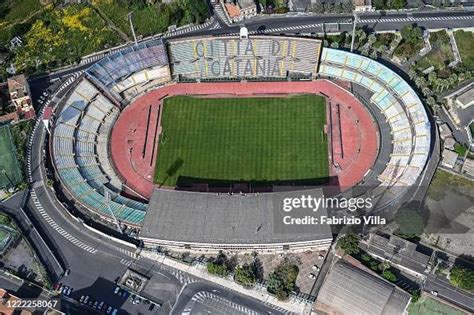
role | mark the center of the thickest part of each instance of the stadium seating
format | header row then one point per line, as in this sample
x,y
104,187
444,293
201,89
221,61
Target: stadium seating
x,y
113,72
80,142
257,57
399,104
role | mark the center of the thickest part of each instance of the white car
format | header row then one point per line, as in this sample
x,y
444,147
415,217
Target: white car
x,y
312,276
315,268
435,293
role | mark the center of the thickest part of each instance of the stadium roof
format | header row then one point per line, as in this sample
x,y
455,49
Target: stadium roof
x,y
350,290
225,219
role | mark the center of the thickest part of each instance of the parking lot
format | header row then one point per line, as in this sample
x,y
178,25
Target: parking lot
x,y
112,300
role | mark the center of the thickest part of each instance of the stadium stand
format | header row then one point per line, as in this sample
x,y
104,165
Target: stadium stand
x,y
401,107
259,57
145,64
80,142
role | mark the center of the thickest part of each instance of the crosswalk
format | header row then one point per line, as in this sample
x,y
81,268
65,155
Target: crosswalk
x,y
217,302
126,252
360,21
59,229
416,19
91,59
183,277
193,28
126,262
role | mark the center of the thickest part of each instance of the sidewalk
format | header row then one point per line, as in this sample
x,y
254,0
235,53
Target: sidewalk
x,y
201,272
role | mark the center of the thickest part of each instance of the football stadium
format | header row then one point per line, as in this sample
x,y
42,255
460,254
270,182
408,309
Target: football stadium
x,y
190,141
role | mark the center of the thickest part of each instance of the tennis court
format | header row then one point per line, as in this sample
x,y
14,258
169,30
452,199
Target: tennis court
x,y
10,172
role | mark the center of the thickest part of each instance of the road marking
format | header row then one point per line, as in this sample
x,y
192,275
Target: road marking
x,y
56,227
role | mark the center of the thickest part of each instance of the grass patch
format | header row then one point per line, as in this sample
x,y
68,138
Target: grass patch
x,y
243,139
10,172
61,37
12,11
383,40
427,305
445,183
441,53
152,19
460,149
464,42
21,132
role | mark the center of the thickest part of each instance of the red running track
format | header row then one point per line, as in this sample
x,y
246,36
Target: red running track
x,y
134,159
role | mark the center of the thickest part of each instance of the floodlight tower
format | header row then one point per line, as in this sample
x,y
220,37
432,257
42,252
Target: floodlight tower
x,y
107,201
129,15
356,19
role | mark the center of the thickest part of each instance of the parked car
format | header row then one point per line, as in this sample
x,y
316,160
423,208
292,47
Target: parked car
x,y
101,304
315,268
69,291
312,276
65,289
81,300
117,290
95,304
115,311
109,309
86,299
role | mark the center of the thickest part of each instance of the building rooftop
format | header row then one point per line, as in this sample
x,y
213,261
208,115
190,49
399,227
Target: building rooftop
x,y
449,158
18,84
225,219
232,9
399,251
467,98
350,290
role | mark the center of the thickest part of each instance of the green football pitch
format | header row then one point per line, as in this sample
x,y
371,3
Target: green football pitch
x,y
10,172
260,139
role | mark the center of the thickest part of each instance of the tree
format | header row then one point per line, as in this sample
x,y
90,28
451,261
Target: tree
x,y
387,274
217,269
349,243
318,8
462,277
347,6
396,4
384,266
245,275
372,39
412,34
415,295
379,4
282,281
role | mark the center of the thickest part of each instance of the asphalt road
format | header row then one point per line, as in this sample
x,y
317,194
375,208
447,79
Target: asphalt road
x,y
450,293
193,289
